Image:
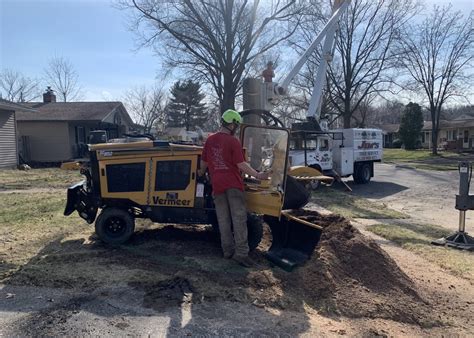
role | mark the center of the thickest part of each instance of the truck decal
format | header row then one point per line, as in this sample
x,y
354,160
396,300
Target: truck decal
x,y
367,155
163,201
369,145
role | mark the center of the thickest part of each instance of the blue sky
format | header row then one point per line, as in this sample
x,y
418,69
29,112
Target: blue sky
x,y
93,35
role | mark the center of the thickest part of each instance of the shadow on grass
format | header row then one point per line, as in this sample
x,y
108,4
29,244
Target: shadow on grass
x,y
404,233
352,206
375,189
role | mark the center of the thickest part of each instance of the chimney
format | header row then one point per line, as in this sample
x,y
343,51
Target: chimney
x,y
49,96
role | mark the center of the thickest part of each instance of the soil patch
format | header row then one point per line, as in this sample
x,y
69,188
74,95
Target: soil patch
x,y
348,275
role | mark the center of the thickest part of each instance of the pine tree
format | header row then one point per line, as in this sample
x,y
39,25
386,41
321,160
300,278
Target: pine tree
x,y
411,125
185,108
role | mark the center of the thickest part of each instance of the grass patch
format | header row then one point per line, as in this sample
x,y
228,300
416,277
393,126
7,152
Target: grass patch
x,y
402,155
27,211
435,167
423,159
351,206
29,221
417,238
38,178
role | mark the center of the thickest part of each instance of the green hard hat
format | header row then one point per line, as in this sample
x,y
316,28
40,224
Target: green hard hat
x,y
231,116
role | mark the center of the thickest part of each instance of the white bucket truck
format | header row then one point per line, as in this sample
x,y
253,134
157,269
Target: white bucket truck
x,y
346,151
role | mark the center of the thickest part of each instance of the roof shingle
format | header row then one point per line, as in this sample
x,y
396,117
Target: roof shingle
x,y
68,111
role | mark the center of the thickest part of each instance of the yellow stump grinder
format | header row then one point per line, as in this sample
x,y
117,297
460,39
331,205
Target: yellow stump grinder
x,y
143,178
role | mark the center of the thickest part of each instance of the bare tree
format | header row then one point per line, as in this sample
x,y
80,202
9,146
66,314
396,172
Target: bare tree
x,y
437,54
147,106
16,87
62,77
215,41
364,54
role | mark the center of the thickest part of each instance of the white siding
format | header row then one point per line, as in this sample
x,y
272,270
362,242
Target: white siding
x,y
48,141
8,147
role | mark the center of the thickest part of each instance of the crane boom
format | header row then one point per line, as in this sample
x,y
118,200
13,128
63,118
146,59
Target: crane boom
x,y
328,33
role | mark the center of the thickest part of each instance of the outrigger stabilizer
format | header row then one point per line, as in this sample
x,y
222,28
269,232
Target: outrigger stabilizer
x,y
464,201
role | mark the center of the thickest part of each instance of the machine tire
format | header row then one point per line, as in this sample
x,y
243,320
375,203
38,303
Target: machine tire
x,y
296,195
114,226
363,173
255,230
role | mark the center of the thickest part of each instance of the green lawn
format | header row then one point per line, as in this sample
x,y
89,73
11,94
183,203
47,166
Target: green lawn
x,y
402,155
423,159
38,178
417,238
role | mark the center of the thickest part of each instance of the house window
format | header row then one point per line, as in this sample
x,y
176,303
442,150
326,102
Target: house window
x,y
466,136
450,135
80,135
422,137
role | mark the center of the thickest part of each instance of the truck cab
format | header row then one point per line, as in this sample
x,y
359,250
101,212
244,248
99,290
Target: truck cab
x,y
312,149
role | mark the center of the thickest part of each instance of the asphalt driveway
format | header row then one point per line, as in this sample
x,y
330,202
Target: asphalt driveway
x,y
427,196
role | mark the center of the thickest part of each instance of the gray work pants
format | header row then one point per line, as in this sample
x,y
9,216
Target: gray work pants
x,y
232,214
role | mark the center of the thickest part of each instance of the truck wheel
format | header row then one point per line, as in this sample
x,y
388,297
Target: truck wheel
x,y
363,174
114,226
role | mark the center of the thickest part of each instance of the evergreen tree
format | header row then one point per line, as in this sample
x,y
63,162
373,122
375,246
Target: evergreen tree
x,y
411,125
185,108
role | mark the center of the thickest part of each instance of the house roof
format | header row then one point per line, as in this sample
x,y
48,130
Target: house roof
x,y
70,111
466,116
390,128
8,105
427,125
466,123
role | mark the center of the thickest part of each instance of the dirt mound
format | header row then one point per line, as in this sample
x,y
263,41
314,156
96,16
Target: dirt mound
x,y
351,275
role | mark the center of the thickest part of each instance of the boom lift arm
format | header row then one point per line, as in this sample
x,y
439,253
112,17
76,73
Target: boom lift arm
x,y
327,33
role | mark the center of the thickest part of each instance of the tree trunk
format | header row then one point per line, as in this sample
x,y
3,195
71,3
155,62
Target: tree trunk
x,y
228,99
347,121
434,140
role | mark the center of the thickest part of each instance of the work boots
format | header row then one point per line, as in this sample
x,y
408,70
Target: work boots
x,y
245,261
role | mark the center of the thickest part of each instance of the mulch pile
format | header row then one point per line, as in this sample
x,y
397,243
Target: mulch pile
x,y
349,274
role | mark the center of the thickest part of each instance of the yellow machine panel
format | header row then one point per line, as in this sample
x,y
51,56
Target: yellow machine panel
x,y
125,179
264,203
173,181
